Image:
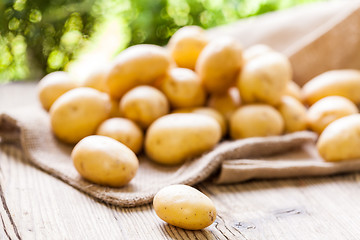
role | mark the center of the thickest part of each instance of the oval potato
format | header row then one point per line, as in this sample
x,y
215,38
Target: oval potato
x,y
256,120
174,138
264,78
225,103
52,86
185,207
345,83
137,65
293,90
293,113
123,130
78,113
97,80
186,44
340,140
144,104
219,64
327,110
105,161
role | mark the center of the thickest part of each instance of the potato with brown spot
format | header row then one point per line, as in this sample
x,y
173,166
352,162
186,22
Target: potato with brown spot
x,y
185,207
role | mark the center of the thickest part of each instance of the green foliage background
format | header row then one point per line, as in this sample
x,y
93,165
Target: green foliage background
x,y
41,36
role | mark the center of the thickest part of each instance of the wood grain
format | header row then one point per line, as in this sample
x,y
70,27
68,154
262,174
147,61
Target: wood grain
x,y
35,205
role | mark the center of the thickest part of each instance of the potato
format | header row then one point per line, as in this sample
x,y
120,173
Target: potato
x,y
137,65
327,110
264,79
209,112
183,88
78,112
143,105
255,51
105,161
185,207
219,64
340,140
124,131
97,80
175,138
256,120
52,86
115,109
225,103
293,113
186,44
344,83
293,90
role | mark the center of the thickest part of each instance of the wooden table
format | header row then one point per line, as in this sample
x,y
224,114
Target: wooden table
x,y
35,205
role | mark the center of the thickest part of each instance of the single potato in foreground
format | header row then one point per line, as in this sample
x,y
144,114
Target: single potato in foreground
x,y
78,113
293,113
256,120
104,161
174,138
341,139
185,207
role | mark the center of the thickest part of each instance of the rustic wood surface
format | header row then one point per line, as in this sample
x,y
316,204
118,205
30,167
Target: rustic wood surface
x,y
35,205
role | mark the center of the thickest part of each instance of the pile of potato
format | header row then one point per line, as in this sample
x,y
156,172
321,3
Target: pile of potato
x,y
174,103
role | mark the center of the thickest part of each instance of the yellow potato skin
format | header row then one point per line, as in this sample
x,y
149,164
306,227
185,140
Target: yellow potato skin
x,y
256,120
52,86
219,64
327,110
183,88
264,79
293,90
345,83
97,80
293,113
185,207
124,131
78,112
175,138
208,112
105,161
186,45
143,105
340,140
137,65
225,103
256,51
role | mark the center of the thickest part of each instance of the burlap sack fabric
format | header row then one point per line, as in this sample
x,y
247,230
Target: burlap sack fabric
x,y
311,36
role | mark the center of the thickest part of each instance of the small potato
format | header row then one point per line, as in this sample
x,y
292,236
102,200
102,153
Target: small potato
x,y
327,110
255,51
293,113
341,139
344,83
264,79
209,112
143,105
137,65
52,86
97,80
183,88
105,161
186,44
225,103
219,64
78,113
124,131
256,120
185,207
293,90
175,138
